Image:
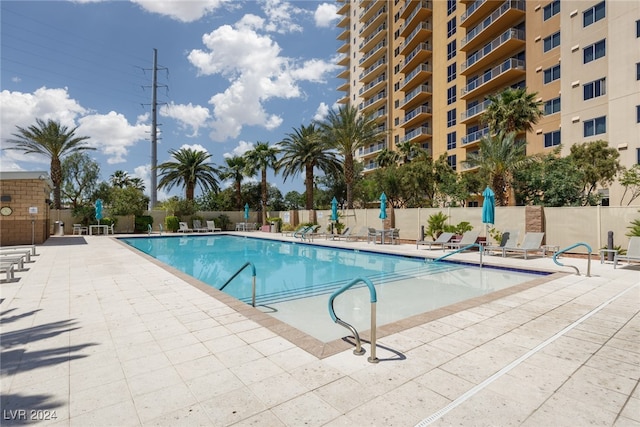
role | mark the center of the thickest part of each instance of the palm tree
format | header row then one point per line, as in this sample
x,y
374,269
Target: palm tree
x,y
235,169
408,151
136,183
304,150
512,110
119,179
261,158
498,157
386,158
53,141
347,131
189,170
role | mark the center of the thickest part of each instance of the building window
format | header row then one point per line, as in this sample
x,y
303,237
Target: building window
x,y
638,156
451,72
551,41
451,160
552,106
552,139
637,70
593,14
594,51
637,113
551,9
451,6
451,27
451,95
594,89
451,117
551,74
451,49
451,140
595,126
638,28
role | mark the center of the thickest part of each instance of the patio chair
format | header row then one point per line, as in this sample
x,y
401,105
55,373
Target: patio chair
x,y
633,252
509,239
361,234
467,239
373,234
337,236
292,233
80,229
7,268
310,233
197,226
18,261
442,240
300,232
184,228
532,242
211,226
392,234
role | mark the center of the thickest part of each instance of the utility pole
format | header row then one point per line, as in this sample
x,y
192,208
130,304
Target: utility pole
x,y
153,199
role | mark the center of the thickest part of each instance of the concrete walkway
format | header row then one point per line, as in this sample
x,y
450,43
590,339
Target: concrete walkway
x,y
95,334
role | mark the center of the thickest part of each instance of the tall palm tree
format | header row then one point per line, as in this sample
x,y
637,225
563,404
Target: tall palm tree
x,y
119,179
235,169
261,158
190,169
53,141
386,158
512,110
498,157
304,150
408,151
346,130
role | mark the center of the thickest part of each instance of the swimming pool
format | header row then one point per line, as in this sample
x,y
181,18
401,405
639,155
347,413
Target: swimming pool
x,y
294,280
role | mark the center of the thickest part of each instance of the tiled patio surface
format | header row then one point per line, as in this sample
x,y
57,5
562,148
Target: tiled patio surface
x,y
97,334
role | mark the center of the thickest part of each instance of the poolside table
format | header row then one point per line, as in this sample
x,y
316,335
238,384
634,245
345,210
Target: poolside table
x,y
105,229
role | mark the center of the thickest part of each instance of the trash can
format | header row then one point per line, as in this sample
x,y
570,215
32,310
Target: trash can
x,y
58,228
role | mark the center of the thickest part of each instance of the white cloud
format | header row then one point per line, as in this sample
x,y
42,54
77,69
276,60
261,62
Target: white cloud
x,y
240,149
144,173
321,112
184,11
112,134
325,15
280,16
16,79
188,116
194,147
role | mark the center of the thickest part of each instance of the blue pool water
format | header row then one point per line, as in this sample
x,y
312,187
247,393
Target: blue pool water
x,y
294,280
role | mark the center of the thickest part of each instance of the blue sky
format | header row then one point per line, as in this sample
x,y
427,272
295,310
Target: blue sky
x,y
237,72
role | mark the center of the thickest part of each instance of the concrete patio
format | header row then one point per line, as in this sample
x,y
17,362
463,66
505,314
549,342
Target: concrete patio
x,y
97,334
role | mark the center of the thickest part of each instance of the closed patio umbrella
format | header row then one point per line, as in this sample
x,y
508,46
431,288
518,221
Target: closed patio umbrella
x,y
99,210
383,206
246,211
334,209
488,207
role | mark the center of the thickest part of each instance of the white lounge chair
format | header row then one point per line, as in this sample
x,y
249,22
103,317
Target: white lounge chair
x,y
633,252
7,268
184,228
361,234
532,243
442,240
197,226
467,239
337,236
293,233
509,239
211,226
17,253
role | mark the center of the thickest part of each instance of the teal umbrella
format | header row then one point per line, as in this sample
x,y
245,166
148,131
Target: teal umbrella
x,y
488,206
99,210
383,206
246,211
334,210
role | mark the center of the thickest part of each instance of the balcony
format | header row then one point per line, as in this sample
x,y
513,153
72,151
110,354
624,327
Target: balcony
x,y
475,12
374,37
412,7
368,74
419,55
344,74
474,137
374,102
381,113
417,115
416,96
509,41
498,76
344,87
344,35
343,61
372,149
473,112
421,33
420,14
368,12
374,22
373,86
419,134
375,53
510,12
418,74
343,8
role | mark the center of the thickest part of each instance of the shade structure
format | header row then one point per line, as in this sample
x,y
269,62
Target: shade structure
x,y
99,210
334,209
246,211
488,206
383,206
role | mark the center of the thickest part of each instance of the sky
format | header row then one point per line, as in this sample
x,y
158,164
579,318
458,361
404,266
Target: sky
x,y
231,73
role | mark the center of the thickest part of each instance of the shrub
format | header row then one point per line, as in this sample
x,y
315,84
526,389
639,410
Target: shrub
x,y
142,223
172,223
634,228
436,224
223,221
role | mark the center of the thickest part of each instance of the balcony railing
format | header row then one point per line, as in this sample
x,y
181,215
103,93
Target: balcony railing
x,y
381,112
383,10
378,63
475,136
381,78
490,47
509,64
422,130
423,5
423,26
373,100
372,149
471,9
420,89
373,51
413,113
509,4
414,52
382,27
476,109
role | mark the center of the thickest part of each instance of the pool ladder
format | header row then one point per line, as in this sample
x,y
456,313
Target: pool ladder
x,y
573,266
373,298
457,251
253,284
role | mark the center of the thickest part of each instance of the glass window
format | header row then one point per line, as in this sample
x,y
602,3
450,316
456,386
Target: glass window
x,y
451,95
451,49
551,41
637,70
451,117
638,28
594,51
551,9
551,74
637,113
451,140
552,106
451,72
594,89
593,14
451,6
552,139
451,27
451,160
595,126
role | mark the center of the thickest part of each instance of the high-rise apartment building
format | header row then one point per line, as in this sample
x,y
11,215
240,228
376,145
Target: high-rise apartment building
x,y
424,70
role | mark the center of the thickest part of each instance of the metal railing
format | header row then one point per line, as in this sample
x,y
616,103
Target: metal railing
x,y
573,266
373,298
253,284
457,251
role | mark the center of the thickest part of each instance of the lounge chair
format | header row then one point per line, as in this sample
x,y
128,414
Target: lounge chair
x,y
300,232
532,243
32,248
442,240
211,226
17,260
337,236
467,239
292,233
633,252
509,239
310,233
23,253
361,234
184,228
7,268
197,226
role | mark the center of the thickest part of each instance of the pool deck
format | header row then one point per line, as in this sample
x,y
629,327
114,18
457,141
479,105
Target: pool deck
x,y
94,333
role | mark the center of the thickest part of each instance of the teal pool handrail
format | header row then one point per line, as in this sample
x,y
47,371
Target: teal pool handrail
x,y
472,245
373,298
573,266
253,274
